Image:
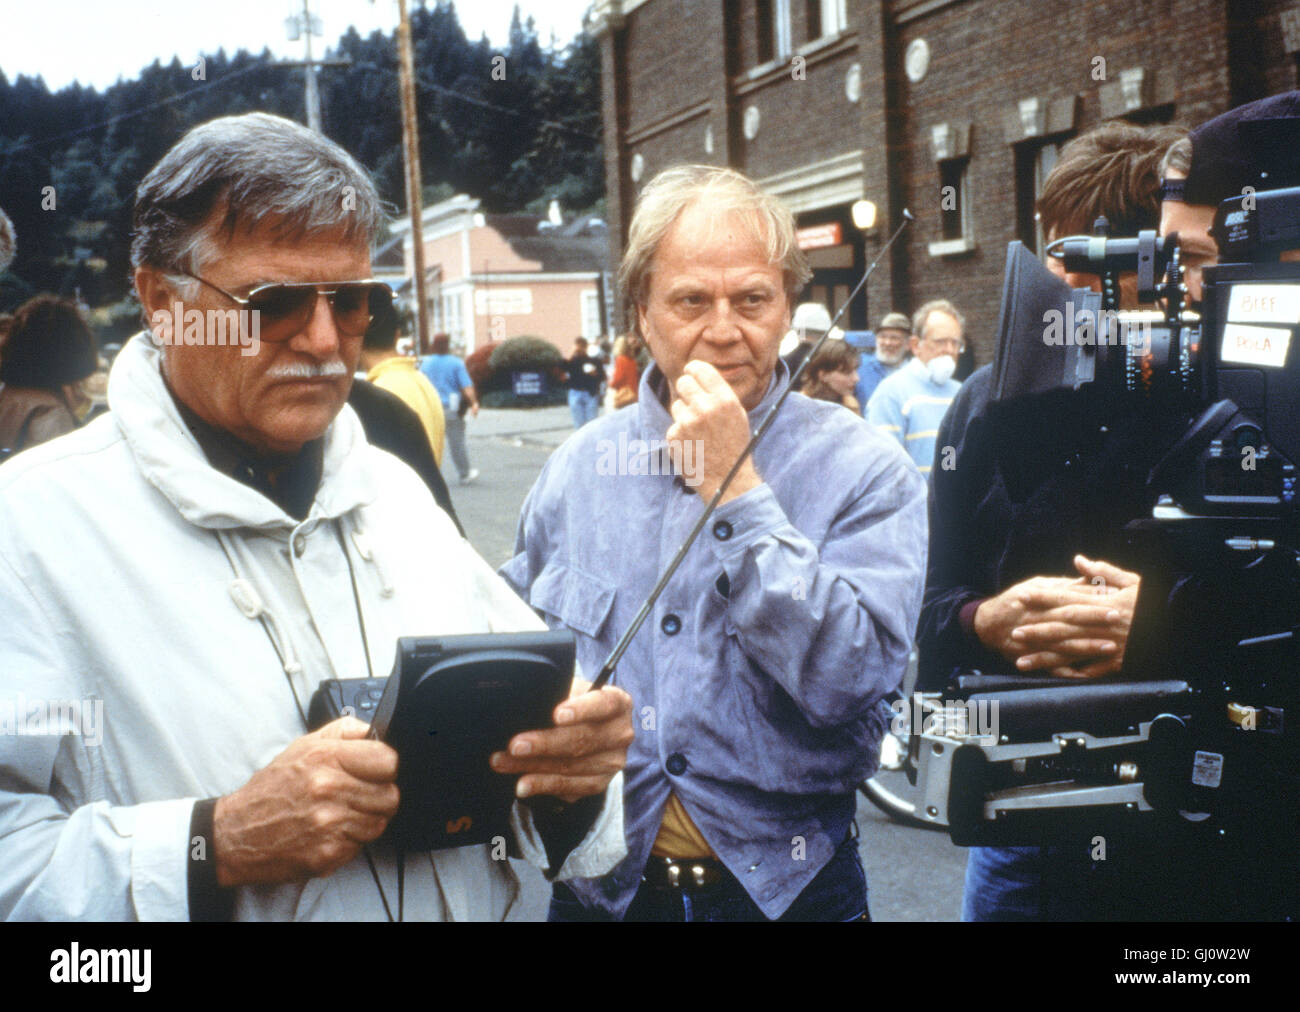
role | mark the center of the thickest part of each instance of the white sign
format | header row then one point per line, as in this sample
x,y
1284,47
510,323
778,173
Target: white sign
x,y
503,301
1245,345
1264,304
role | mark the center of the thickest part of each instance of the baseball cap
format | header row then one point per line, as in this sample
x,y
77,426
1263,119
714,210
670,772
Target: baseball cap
x,y
811,316
1257,145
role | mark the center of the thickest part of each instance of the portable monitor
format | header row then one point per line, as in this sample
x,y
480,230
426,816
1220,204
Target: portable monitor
x,y
449,703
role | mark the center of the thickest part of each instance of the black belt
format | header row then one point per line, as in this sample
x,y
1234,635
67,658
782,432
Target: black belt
x,y
685,873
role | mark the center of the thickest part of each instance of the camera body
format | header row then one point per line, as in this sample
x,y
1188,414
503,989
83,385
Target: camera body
x,y
1201,724
345,697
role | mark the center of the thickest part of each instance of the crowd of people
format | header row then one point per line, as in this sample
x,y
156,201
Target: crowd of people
x,y
199,558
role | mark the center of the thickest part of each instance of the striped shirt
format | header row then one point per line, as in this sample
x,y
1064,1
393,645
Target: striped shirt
x,y
909,406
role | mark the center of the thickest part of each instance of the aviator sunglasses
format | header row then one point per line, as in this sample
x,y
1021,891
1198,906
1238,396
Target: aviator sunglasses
x,y
284,308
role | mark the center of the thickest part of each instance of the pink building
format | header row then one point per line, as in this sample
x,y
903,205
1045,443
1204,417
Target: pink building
x,y
495,276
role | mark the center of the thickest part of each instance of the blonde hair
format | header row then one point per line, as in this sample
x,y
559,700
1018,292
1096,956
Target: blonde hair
x,y
724,191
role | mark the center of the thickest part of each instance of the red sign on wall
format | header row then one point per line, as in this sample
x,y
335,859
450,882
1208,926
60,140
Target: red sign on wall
x,y
817,236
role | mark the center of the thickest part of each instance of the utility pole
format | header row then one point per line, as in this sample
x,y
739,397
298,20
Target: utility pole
x,y
308,24
414,200
313,95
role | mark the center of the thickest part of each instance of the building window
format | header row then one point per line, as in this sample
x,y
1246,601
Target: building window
x,y
1034,162
451,317
826,17
781,28
772,20
591,315
763,28
953,205
950,147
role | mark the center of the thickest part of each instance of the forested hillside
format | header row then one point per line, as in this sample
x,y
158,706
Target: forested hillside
x,y
514,139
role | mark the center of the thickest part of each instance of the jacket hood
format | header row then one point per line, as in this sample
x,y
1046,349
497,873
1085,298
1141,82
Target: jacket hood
x,y
170,459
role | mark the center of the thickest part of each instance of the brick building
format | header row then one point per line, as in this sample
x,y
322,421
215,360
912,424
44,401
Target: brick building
x,y
955,109
495,276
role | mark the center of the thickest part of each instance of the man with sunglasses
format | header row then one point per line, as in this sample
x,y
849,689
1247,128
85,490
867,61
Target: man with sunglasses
x,y
179,576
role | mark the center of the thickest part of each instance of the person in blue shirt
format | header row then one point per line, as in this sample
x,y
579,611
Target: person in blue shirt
x,y
910,404
891,349
759,680
451,379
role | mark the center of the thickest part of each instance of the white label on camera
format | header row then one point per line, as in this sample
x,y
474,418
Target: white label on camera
x,y
1264,304
1255,345
1207,769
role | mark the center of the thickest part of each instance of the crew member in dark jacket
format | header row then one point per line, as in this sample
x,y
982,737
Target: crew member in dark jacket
x,y
390,425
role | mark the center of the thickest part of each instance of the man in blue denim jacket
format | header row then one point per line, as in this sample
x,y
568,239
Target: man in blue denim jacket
x,y
758,680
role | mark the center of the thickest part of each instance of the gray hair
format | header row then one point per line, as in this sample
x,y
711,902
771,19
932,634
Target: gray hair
x,y
920,317
8,241
725,190
238,171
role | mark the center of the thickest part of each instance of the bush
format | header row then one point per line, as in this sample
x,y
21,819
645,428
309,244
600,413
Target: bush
x,y
525,354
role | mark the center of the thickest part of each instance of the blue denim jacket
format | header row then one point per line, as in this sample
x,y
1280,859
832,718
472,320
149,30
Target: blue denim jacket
x,y
758,681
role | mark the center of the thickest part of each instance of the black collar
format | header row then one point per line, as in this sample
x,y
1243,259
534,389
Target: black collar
x,y
289,480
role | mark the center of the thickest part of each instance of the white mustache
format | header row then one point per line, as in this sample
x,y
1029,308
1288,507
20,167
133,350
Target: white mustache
x,y
308,370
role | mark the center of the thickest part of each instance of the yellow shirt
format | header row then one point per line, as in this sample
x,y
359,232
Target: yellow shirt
x,y
679,837
399,375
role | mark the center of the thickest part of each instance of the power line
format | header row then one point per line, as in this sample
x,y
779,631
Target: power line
x,y
511,112
119,117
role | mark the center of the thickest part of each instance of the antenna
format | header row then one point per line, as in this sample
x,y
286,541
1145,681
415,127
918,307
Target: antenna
x,y
607,670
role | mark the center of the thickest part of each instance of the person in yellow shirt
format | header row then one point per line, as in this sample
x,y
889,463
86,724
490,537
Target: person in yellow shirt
x,y
398,374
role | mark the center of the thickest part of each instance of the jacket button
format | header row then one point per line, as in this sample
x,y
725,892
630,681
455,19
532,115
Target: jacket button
x,y
671,625
722,530
677,764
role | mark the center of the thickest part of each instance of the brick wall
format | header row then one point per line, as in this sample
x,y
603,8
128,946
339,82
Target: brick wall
x,y
1200,57
977,70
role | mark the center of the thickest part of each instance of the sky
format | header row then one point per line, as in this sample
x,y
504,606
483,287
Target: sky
x,y
97,41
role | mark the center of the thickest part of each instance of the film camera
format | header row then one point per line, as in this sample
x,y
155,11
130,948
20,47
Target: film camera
x,y
1201,723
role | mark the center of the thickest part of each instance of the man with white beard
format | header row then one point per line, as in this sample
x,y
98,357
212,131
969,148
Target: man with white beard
x,y
891,349
910,404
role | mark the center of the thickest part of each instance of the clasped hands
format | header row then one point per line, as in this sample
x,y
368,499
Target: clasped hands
x,y
1072,627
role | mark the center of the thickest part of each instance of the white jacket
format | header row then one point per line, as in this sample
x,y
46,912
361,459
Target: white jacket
x,y
124,561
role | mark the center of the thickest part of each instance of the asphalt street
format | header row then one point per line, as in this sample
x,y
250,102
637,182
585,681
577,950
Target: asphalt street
x,y
912,874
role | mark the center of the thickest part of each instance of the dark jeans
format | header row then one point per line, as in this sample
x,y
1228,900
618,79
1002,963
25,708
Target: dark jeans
x,y
838,893
1158,872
